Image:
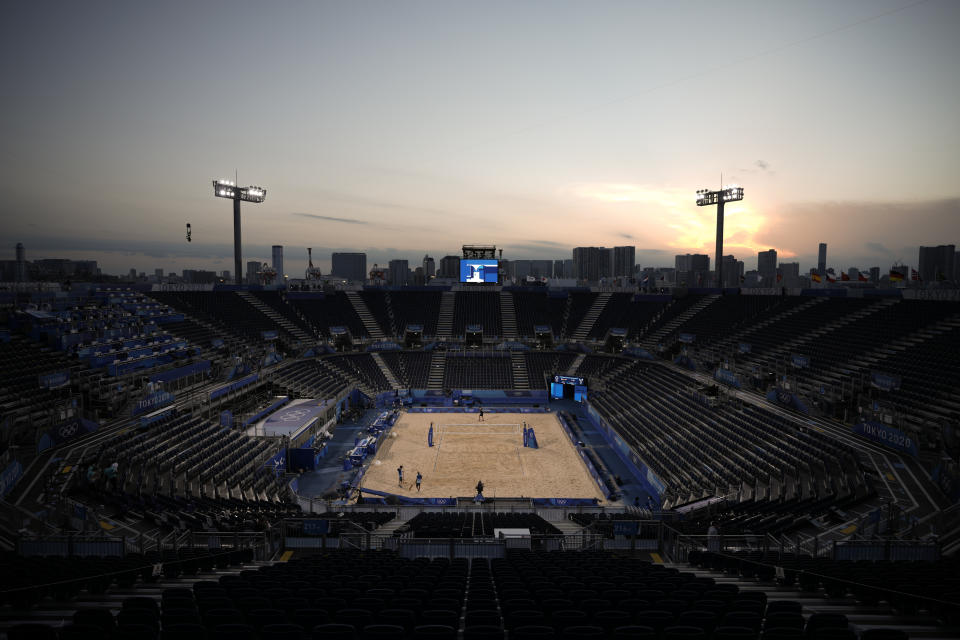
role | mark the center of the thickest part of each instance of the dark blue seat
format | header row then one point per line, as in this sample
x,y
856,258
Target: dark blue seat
x,y
95,617
635,632
446,617
784,620
434,632
782,633
405,618
525,618
383,632
610,619
681,632
482,617
583,632
179,616
533,632
31,631
184,632
134,631
568,618
735,633
309,618
334,631
825,621
234,632
284,631
483,632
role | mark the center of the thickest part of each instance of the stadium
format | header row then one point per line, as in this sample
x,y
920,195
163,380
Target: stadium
x,y
609,463
627,400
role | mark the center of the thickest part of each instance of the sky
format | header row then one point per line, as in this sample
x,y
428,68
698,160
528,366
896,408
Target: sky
x,y
403,128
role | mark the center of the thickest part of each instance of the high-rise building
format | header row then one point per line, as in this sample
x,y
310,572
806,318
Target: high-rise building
x,y
936,264
399,273
692,269
349,266
520,269
624,259
822,259
450,267
253,271
767,267
133,274
592,263
790,274
731,269
225,275
429,268
158,274
875,275
277,263
558,271
20,272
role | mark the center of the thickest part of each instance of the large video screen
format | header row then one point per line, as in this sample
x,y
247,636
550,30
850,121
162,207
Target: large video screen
x,y
568,387
475,270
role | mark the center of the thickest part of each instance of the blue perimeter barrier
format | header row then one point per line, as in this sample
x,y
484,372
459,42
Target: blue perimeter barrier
x,y
586,460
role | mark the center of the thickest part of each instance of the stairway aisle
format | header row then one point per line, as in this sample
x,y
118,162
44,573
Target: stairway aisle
x,y
438,362
387,372
508,316
519,365
590,319
369,322
445,318
275,316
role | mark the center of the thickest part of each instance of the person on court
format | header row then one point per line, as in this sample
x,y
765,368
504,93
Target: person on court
x,y
419,479
400,476
480,419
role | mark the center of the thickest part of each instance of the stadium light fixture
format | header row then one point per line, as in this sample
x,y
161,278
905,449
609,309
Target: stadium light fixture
x,y
706,197
229,189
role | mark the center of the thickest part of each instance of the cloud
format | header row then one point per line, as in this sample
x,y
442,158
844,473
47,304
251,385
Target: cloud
x,y
878,248
762,164
330,218
638,193
625,235
362,201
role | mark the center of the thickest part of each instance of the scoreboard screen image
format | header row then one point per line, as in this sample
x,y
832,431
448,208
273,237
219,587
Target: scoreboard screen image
x,y
568,387
479,271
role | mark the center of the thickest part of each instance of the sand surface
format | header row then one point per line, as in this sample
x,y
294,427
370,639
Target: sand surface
x,y
466,450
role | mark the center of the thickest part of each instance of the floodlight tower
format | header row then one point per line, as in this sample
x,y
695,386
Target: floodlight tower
x,y
729,193
229,189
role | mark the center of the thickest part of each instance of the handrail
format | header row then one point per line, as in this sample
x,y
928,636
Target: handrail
x,y
833,578
87,578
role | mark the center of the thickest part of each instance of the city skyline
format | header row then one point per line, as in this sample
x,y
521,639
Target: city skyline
x,y
399,130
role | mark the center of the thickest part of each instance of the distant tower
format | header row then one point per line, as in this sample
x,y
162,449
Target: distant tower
x,y
278,260
21,275
429,267
822,259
